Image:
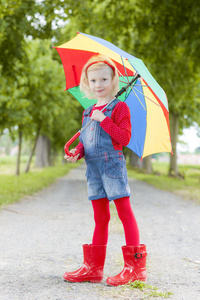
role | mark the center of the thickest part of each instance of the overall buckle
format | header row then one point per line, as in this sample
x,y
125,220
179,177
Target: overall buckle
x,y
138,255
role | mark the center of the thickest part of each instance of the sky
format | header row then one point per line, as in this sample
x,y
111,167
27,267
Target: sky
x,y
190,138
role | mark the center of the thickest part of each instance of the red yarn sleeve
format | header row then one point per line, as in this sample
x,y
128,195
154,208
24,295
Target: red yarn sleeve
x,y
80,147
119,125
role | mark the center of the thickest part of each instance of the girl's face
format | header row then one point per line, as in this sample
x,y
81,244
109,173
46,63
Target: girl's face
x,y
100,83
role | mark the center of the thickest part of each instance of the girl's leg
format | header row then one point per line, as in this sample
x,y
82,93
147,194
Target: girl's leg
x,y
101,218
134,254
128,220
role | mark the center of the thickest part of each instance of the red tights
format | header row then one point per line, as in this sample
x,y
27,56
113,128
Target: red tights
x,y
102,218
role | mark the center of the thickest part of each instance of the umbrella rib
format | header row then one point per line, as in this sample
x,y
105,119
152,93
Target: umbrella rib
x,y
141,85
126,81
141,92
138,98
135,84
126,75
147,97
124,68
123,81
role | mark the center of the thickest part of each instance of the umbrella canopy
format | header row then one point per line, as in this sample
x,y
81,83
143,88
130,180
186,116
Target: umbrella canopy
x,y
146,99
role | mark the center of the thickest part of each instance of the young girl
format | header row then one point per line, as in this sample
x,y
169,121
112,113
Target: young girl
x,y
101,144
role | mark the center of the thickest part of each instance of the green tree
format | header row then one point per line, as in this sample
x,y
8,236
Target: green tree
x,y
13,105
169,33
49,104
14,26
23,75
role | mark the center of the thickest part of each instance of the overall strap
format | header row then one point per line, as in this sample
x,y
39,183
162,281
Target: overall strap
x,y
88,111
112,104
110,107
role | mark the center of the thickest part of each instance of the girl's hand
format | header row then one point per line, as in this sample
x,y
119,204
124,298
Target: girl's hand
x,y
97,115
72,159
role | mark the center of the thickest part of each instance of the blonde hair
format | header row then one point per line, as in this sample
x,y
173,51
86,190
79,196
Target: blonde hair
x,y
94,63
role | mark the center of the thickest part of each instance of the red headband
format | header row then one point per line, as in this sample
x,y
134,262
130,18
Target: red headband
x,y
105,62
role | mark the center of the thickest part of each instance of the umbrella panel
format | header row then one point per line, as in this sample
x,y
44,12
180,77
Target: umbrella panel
x,y
73,62
85,102
146,100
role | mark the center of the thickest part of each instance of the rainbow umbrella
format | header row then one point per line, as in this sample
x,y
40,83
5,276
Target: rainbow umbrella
x,y
146,99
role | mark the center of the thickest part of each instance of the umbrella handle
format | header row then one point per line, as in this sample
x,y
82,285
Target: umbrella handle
x,y
66,148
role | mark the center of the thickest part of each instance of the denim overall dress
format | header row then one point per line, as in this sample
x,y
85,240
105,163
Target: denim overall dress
x,y
106,167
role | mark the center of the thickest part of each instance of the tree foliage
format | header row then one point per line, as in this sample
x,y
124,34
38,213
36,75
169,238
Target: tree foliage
x,y
32,82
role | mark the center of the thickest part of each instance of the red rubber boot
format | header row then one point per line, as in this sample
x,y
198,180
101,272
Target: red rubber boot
x,y
134,266
93,264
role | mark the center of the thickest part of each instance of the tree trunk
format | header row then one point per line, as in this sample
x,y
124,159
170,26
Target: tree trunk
x,y
173,168
53,157
32,152
19,150
43,146
135,160
146,162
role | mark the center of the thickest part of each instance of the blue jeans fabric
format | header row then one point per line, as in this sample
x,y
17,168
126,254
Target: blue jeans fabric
x,y
106,167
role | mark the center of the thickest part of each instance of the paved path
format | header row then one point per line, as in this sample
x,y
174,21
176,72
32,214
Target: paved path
x,y
41,237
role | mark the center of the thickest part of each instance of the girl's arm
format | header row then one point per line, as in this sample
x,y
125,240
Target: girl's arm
x,y
80,146
119,125
80,152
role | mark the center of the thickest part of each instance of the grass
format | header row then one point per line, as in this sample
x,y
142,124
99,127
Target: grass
x,y
134,290
8,164
149,291
13,188
188,186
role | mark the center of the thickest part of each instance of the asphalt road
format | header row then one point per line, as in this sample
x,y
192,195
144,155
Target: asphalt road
x,y
41,237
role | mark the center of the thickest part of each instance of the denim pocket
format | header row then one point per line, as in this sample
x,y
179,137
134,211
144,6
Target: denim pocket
x,y
115,167
92,172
